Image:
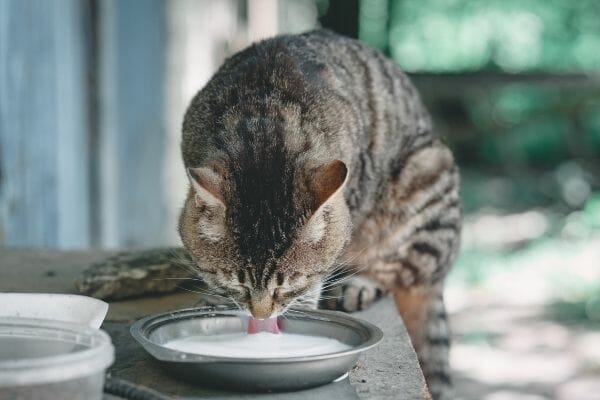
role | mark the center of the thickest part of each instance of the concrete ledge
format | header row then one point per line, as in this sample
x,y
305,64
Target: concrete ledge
x,y
390,371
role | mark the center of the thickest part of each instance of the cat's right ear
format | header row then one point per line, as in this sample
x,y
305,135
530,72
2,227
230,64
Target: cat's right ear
x,y
208,186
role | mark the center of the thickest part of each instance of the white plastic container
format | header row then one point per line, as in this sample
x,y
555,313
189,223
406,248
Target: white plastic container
x,y
58,307
43,360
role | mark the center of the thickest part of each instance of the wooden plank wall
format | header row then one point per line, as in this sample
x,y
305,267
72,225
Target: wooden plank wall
x,y
44,191
81,123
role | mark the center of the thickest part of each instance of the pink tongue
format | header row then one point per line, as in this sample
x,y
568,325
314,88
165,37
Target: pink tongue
x,y
263,325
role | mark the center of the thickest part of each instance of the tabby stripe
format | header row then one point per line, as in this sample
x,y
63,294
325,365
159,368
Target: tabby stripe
x,y
404,264
439,197
241,276
435,225
421,140
371,101
439,275
441,314
412,268
346,69
439,376
426,248
453,203
269,273
439,341
405,105
360,299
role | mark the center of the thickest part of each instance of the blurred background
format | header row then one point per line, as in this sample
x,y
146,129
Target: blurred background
x,y
92,94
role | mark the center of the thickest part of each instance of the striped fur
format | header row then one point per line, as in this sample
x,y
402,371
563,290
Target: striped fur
x,y
321,159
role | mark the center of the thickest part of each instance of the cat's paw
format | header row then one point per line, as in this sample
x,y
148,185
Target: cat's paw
x,y
354,294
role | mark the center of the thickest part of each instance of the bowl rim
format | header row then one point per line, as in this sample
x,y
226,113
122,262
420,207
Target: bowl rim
x,y
97,355
142,328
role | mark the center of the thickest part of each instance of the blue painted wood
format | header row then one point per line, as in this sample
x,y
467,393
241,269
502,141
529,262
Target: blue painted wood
x,y
73,126
43,125
132,130
46,157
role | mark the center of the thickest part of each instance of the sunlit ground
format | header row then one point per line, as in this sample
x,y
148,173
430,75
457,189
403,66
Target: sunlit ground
x,y
524,301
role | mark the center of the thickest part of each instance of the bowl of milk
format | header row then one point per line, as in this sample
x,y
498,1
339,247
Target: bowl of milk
x,y
210,346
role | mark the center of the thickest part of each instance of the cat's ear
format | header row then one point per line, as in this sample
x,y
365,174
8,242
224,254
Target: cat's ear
x,y
208,186
325,183
327,180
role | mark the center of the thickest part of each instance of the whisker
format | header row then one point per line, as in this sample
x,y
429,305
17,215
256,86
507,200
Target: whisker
x,y
235,302
201,292
179,279
299,312
337,282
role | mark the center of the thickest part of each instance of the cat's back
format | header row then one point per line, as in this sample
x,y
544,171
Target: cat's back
x,y
361,100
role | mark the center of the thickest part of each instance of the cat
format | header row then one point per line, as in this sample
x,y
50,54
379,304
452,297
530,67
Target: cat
x,y
310,155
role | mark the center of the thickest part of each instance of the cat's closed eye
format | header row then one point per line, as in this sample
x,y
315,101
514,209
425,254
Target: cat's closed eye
x,y
277,293
293,293
239,291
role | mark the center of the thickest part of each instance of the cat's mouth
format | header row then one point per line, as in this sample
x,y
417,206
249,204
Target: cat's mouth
x,y
256,325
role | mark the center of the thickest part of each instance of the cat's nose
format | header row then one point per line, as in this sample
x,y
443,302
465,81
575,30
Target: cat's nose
x,y
261,308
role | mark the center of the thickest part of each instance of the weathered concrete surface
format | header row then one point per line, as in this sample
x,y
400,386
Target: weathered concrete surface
x,y
44,271
390,371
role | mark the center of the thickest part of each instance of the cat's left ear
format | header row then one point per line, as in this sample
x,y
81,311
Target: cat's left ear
x,y
208,186
327,180
326,183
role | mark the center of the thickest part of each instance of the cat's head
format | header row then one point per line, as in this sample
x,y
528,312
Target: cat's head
x,y
266,238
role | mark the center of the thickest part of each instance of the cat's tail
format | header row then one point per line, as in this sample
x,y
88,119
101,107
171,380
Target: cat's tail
x,y
434,352
424,315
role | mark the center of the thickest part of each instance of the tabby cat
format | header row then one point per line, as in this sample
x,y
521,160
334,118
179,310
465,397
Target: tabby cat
x,y
310,155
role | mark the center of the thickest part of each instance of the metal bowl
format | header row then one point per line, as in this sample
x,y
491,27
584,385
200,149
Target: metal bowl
x,y
255,374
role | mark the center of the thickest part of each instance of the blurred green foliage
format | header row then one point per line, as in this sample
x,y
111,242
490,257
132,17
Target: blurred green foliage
x,y
523,124
373,23
514,124
581,307
524,142
510,35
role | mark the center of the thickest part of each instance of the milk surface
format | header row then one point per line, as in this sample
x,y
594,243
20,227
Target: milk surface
x,y
258,345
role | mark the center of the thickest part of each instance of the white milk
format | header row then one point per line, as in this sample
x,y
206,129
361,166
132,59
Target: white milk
x,y
257,345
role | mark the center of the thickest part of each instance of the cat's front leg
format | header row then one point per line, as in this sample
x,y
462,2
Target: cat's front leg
x,y
350,294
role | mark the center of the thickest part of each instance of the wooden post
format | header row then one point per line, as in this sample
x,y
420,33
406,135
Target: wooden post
x,y
201,33
262,19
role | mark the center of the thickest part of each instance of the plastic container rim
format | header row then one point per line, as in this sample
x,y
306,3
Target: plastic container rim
x,y
96,357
